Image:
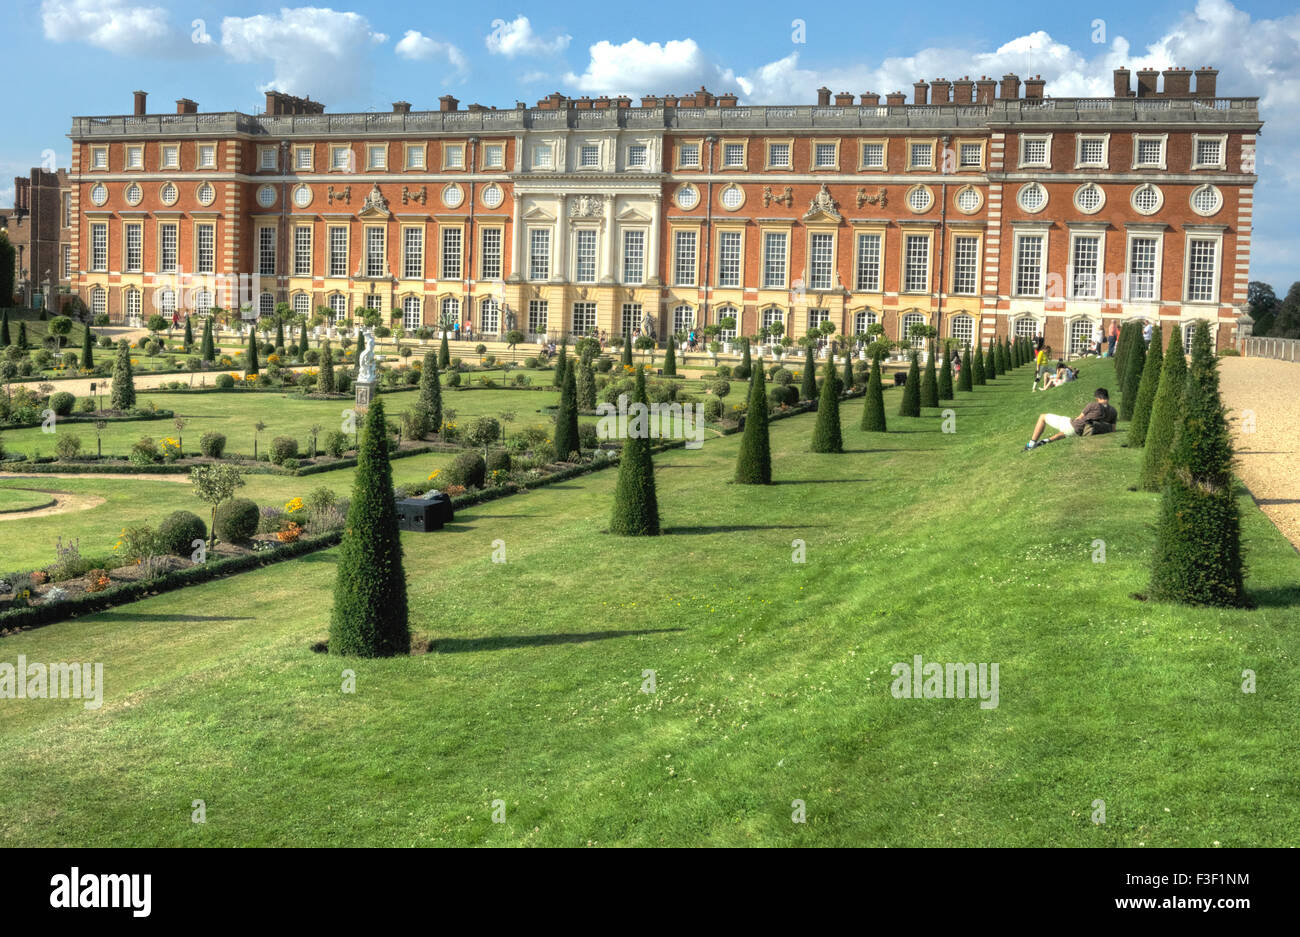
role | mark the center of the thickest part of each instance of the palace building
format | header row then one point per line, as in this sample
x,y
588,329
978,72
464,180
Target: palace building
x,y
982,207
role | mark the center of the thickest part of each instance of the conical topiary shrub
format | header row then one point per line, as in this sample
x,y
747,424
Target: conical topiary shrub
x,y
369,618
586,384
930,381
251,352
122,395
873,405
189,333
444,353
911,404
303,346
566,418
846,379
1004,355
808,384
636,505
827,436
627,353
561,365
1166,412
279,332
945,377
429,403
670,359
207,348
5,340
1146,394
977,368
991,362
746,366
22,335
87,351
1197,557
965,379
754,463
1133,365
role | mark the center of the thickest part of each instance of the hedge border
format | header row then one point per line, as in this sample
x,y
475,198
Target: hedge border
x,y
91,418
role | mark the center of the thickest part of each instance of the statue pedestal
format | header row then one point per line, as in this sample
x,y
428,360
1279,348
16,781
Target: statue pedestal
x,y
365,393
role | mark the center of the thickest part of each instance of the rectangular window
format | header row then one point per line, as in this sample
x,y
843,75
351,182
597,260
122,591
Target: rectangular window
x,y
539,253
822,261
584,318
206,248
135,157
134,261
688,154
778,155
1092,151
733,154
67,210
1033,151
589,156
868,272
374,252
266,157
67,261
451,253
302,251
415,157
816,317
1084,263
921,155
584,257
631,320
489,317
171,157
637,155
302,157
873,156
824,156
490,253
684,258
377,156
965,258
916,270
266,251
633,257
1150,151
453,156
494,156
207,156
729,246
972,155
1200,269
341,158
99,247
1142,268
99,157
1209,152
774,254
537,316
542,156
167,240
1029,265
412,253
338,240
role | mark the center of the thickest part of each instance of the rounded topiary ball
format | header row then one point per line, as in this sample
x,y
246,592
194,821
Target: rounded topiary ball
x,y
467,469
225,382
236,520
61,403
178,531
498,460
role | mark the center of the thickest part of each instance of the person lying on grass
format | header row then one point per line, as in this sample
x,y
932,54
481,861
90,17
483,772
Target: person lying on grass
x,y
1062,375
1097,417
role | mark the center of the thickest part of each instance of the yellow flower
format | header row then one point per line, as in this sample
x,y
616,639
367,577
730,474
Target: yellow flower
x,y
434,474
293,504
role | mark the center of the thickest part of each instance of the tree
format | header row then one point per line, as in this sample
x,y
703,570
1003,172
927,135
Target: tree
x,y
483,431
1166,412
670,359
213,484
911,405
945,377
847,379
1134,363
7,268
746,365
60,328
586,381
87,351
1259,296
636,504
5,340
252,352
754,462
369,618
827,436
991,362
429,404
325,377
1287,323
1004,356
873,406
1146,393
189,333
808,382
303,345
966,377
208,348
1197,558
279,332
22,335
566,418
627,353
444,353
561,365
122,396
930,381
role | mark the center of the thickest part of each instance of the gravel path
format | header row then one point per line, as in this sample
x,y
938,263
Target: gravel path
x,y
63,503
109,476
1268,459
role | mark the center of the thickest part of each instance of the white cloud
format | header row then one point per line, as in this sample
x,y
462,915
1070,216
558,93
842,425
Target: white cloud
x,y
516,37
635,68
109,24
416,46
315,51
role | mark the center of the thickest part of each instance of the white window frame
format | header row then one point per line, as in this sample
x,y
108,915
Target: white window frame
x,y
788,143
1221,139
456,162
415,158
1046,162
1157,272
1071,273
134,161
682,275
164,264
201,153
974,271
884,154
643,162
927,237
446,255
541,150
332,257
743,163
268,158
491,256
488,162
539,254
821,261
299,163
765,281
594,150
686,147
205,259
349,161
637,254
99,159
588,256
133,244
1162,139
1080,139
860,241
267,249
1020,237
412,252
815,157
933,147
169,156
1215,237
731,263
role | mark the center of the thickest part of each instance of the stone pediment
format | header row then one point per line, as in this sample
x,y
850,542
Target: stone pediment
x,y
823,207
376,206
537,213
631,214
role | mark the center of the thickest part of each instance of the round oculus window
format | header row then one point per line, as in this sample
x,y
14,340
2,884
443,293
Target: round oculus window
x,y
302,196
1032,197
492,196
168,193
919,199
98,193
1089,198
452,196
687,197
266,196
133,194
1206,200
206,194
968,199
1147,199
732,197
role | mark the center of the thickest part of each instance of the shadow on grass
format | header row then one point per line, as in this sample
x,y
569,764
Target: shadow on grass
x,y
153,616
509,641
1275,597
731,528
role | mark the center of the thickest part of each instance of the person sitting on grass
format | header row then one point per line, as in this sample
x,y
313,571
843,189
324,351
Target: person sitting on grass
x,y
1062,375
1097,417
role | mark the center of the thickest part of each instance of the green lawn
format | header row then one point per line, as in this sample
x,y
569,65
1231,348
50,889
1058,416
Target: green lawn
x,y
12,499
772,677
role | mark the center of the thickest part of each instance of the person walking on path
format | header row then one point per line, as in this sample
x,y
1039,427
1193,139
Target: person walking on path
x,y
1114,337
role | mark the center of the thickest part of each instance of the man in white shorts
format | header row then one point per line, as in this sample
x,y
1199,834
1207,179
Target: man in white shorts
x,y
1100,414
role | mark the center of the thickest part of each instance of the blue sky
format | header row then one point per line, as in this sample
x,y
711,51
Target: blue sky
x,y
91,54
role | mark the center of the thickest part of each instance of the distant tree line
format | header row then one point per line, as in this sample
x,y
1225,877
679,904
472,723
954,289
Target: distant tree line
x,y
1274,318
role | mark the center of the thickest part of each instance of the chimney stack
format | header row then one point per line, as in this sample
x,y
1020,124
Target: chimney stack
x,y
985,90
401,107
727,100
140,97
963,90
920,92
895,99
1123,86
1178,83
186,106
1147,82
844,99
447,103
870,99
1010,87
823,97
1034,87
1206,82
940,91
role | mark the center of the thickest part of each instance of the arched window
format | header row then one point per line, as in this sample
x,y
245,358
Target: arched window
x,y
1027,327
99,301
202,302
1080,337
909,320
167,303
301,304
1189,332
411,313
773,315
450,312
862,320
729,312
133,306
962,328
489,316
266,305
339,306
683,319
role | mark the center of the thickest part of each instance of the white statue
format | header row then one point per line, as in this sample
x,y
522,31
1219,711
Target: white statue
x,y
366,363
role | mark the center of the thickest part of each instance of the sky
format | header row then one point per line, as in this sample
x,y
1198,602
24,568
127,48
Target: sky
x,y
87,56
